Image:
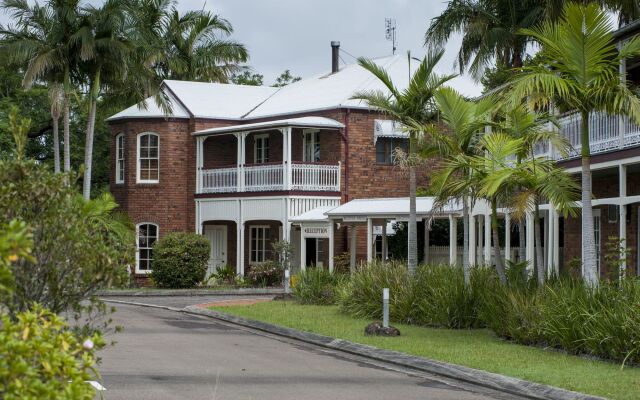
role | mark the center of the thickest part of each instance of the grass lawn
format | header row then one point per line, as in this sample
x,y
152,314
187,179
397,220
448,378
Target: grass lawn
x,y
473,348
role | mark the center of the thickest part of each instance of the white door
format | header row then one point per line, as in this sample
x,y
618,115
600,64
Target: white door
x,y
217,235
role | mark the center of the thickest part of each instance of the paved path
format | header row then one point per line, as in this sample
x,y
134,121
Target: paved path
x,y
164,354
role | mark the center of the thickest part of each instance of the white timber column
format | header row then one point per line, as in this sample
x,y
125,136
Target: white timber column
x,y
547,242
199,162
556,242
240,248
480,251
487,239
453,240
530,243
330,246
507,236
385,248
622,219
369,240
303,250
427,228
353,250
241,159
473,260
286,157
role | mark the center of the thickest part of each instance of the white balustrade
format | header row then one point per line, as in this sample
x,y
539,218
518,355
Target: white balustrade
x,y
219,180
260,178
271,177
315,177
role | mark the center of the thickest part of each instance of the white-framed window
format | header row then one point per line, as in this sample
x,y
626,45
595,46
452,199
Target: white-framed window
x,y
146,236
120,158
261,149
148,158
258,242
311,146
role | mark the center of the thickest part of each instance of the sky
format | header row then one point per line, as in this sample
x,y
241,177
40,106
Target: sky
x,y
296,34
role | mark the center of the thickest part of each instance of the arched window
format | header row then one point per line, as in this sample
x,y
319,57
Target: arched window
x,y
120,158
148,158
146,235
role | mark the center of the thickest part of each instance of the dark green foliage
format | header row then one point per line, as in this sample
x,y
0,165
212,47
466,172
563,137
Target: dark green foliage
x,y
442,299
79,246
362,295
226,274
317,286
268,273
180,260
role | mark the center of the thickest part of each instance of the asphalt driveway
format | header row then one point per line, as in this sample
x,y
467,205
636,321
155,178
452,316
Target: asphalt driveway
x,y
164,354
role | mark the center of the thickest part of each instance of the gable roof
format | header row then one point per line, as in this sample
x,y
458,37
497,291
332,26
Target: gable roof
x,y
241,102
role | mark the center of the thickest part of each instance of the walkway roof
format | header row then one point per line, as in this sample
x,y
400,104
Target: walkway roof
x,y
391,208
302,122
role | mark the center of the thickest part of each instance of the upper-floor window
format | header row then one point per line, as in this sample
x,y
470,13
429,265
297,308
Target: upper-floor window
x,y
148,158
386,147
120,158
261,149
311,146
146,234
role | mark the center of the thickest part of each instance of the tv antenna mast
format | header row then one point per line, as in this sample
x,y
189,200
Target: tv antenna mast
x,y
390,31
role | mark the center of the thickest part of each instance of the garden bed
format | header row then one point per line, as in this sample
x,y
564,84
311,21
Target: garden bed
x,y
475,348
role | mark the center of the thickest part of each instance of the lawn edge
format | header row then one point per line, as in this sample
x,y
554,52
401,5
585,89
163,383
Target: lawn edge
x,y
188,292
474,376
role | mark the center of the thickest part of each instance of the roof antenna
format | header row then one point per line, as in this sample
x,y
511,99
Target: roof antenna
x,y
390,32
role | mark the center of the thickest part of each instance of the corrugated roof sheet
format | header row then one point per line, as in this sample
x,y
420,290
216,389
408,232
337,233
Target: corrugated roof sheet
x,y
390,207
313,122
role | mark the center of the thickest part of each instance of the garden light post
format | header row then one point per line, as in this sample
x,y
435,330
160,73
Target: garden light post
x,y
287,286
385,307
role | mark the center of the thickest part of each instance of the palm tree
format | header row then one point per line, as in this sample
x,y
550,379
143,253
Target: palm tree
x,y
43,39
490,31
412,107
533,129
579,67
56,98
464,120
102,34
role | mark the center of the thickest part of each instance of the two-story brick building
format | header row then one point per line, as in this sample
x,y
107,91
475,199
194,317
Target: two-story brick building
x,y
236,163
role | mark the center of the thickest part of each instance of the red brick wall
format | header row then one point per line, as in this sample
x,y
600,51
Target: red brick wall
x,y
220,151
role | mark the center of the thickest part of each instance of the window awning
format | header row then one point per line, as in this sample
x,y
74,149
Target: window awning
x,y
388,128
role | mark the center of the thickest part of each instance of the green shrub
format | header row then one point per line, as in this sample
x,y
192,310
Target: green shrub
x,y
46,360
317,286
361,296
442,299
80,246
268,273
180,260
226,274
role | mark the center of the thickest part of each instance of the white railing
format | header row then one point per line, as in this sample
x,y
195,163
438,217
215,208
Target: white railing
x,y
321,177
263,178
606,133
219,180
270,177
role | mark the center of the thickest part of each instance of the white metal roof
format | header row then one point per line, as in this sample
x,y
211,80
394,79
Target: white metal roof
x,y
312,122
390,208
149,109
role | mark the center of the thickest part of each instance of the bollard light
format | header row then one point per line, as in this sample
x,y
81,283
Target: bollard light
x,y
287,288
385,307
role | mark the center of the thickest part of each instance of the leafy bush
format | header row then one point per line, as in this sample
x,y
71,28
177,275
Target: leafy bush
x,y
361,296
226,274
47,360
268,273
317,286
79,246
442,299
180,260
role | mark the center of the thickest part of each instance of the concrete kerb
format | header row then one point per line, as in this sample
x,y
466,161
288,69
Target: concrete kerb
x,y
486,379
189,292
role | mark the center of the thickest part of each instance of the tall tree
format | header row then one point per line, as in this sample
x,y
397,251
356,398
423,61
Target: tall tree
x,y
465,121
579,68
43,38
102,33
413,107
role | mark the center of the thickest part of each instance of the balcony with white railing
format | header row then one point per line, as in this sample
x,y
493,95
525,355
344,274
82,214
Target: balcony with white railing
x,y
302,177
606,133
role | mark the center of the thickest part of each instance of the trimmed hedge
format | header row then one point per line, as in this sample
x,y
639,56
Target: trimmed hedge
x,y
180,260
